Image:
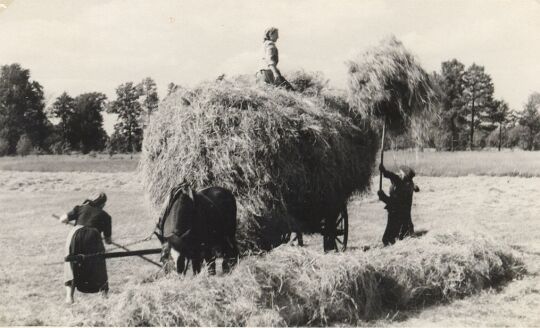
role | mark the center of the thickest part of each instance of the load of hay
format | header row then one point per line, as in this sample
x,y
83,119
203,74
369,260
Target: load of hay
x,y
386,83
291,158
286,156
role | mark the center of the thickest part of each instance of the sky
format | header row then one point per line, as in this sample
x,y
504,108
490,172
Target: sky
x,y
82,46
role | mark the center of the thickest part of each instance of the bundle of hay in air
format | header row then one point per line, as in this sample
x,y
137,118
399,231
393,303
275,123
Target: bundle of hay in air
x,y
286,156
387,83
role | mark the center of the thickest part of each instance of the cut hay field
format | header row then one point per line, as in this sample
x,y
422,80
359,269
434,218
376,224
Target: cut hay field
x,y
476,227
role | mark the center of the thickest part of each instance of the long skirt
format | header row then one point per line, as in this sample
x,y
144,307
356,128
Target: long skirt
x,y
89,275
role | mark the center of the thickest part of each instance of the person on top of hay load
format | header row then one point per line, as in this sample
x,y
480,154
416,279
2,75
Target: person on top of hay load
x,y
398,204
90,275
270,73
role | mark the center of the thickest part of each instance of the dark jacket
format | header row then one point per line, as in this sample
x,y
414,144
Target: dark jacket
x,y
93,217
398,205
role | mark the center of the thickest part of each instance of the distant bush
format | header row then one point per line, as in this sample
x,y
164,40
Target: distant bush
x,y
38,151
24,146
536,142
492,140
116,143
60,147
480,137
4,147
518,137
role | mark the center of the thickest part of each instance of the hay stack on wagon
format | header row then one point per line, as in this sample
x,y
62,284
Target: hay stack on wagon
x,y
284,155
290,158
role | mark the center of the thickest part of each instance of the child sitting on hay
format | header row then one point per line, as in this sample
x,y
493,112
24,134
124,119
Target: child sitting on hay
x,y
398,204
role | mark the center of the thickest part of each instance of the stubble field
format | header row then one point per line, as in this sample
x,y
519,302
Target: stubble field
x,y
478,200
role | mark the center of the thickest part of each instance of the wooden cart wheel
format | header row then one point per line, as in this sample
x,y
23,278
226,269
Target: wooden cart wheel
x,y
285,237
342,230
337,233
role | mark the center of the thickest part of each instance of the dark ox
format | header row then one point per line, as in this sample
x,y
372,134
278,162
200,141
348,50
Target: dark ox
x,y
196,226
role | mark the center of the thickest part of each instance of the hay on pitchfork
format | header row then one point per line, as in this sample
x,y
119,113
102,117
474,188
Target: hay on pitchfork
x,y
288,157
387,82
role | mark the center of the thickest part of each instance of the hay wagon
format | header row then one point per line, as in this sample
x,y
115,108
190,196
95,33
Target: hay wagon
x,y
281,154
332,225
336,232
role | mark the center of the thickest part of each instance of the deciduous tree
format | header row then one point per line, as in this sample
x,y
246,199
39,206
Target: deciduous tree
x,y
87,122
149,98
21,107
129,111
64,109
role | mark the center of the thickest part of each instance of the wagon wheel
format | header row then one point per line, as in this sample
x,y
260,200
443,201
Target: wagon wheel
x,y
336,232
285,237
342,230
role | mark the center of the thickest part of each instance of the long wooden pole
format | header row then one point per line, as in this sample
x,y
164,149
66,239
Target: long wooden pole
x,y
139,255
119,246
382,153
80,257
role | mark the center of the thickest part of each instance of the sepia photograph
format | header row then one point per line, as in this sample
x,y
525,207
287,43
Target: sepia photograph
x,y
249,163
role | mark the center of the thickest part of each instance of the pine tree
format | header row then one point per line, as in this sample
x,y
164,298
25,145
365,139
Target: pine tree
x,y
452,101
478,95
497,117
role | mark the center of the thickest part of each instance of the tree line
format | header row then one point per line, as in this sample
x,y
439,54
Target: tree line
x,y
467,116
26,123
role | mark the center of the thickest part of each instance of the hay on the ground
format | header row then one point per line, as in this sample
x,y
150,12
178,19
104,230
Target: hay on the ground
x,y
386,82
298,287
283,154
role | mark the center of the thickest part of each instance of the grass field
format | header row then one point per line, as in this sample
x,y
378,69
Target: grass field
x,y
70,163
504,209
437,164
462,163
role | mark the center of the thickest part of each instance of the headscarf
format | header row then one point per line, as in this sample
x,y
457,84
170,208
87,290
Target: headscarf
x,y
406,172
97,200
268,32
